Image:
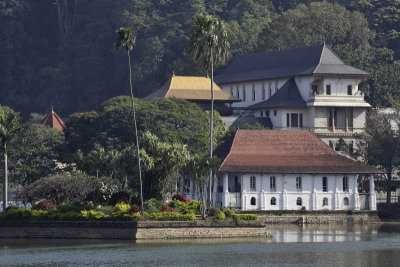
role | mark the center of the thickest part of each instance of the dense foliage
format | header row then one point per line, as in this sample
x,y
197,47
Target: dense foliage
x,y
61,52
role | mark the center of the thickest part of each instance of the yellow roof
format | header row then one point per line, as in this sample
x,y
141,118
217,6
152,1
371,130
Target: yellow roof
x,y
191,88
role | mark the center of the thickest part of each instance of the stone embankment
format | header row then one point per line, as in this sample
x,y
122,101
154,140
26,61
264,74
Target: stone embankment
x,y
316,217
133,230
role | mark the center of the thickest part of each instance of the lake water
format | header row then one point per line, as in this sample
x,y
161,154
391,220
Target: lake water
x,y
373,245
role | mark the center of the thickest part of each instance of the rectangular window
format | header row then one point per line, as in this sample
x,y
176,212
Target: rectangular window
x,y
253,183
345,184
237,91
253,92
294,119
298,183
270,93
349,89
262,113
287,120
324,184
244,93
301,120
267,113
272,183
328,89
231,89
275,112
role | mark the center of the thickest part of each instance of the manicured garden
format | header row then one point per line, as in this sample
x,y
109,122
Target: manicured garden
x,y
119,208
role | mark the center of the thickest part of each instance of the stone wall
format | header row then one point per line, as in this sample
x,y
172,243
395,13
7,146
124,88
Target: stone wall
x,y
132,230
323,217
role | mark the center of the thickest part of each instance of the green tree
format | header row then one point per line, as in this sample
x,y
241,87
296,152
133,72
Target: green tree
x,y
34,153
380,145
209,43
9,128
126,40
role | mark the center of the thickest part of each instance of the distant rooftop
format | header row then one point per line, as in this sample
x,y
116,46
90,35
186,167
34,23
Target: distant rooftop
x,y
312,60
195,88
290,152
287,96
54,121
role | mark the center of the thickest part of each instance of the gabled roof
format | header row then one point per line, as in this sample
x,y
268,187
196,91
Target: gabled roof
x,y
54,121
191,88
287,152
312,60
287,96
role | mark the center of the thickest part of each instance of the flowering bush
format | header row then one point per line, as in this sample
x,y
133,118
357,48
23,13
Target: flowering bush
x,y
180,198
134,209
167,209
45,205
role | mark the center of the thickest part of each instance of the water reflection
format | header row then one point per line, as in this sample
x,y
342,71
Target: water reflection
x,y
291,245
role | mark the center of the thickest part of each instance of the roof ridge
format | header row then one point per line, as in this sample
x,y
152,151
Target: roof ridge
x,y
320,57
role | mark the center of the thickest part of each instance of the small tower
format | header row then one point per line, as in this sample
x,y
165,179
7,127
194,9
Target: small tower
x,y
54,121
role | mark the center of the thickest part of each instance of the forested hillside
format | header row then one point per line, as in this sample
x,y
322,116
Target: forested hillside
x,y
61,52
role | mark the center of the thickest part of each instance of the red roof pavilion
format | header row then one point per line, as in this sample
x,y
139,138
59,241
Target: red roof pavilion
x,y
299,152
54,121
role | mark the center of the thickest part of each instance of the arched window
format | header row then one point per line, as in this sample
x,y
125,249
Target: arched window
x,y
273,201
325,202
272,183
345,184
253,201
346,201
253,183
299,202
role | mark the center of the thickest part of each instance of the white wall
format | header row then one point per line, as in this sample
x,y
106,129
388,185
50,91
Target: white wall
x,y
311,193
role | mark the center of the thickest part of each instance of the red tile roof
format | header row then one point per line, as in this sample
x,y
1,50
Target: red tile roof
x,y
54,121
261,151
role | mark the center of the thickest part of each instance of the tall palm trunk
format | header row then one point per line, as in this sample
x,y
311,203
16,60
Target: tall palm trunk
x,y
211,123
136,132
5,180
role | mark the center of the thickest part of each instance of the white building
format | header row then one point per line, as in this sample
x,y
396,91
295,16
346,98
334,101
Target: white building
x,y
275,170
308,88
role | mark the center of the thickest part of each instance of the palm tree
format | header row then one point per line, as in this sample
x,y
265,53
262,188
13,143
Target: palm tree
x,y
209,43
9,127
126,41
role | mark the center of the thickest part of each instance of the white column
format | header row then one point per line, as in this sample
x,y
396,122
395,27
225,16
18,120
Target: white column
x,y
314,194
284,197
337,201
215,192
372,195
225,192
356,196
262,201
243,194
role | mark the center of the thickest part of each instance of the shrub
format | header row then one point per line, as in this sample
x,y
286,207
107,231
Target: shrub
x,y
181,198
153,205
134,209
45,205
245,217
220,216
17,214
132,216
165,216
102,189
121,209
188,217
93,215
167,209
60,188
212,212
229,213
194,206
120,196
63,207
